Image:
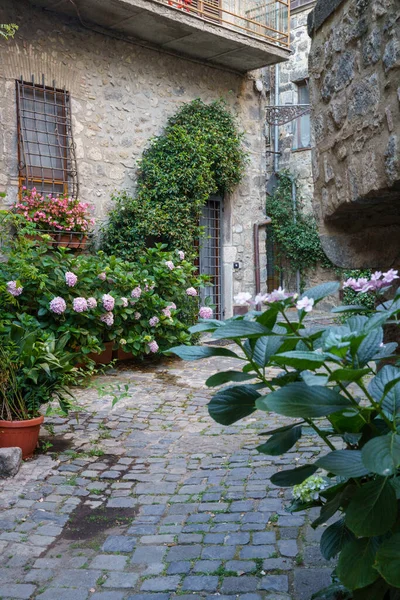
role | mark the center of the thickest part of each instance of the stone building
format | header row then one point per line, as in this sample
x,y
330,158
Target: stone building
x,y
289,143
86,84
355,93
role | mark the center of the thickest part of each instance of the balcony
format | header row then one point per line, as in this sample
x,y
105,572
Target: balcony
x,y
240,35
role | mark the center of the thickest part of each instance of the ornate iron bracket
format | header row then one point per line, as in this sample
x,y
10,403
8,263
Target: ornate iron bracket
x,y
280,115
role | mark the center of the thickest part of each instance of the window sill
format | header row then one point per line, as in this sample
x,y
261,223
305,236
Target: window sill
x,y
308,149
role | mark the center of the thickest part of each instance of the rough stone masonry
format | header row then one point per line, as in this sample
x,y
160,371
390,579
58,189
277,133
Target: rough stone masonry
x,y
354,69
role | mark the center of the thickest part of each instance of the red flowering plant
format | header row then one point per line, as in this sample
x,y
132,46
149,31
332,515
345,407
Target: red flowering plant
x,y
54,213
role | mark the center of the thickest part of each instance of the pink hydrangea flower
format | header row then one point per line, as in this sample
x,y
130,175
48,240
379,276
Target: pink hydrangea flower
x,y
278,295
108,302
91,302
181,255
136,292
70,278
107,318
172,306
122,342
58,305
305,304
13,289
153,346
125,302
205,312
390,276
102,276
137,315
242,298
166,312
191,291
170,265
153,321
80,305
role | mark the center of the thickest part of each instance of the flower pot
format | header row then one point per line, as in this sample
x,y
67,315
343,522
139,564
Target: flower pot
x,y
105,357
70,240
122,355
21,434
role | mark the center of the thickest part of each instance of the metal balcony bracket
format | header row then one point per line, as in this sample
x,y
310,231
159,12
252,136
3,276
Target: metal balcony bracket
x,y
280,115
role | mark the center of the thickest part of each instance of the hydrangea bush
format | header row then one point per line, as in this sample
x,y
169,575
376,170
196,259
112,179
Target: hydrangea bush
x,y
95,299
334,382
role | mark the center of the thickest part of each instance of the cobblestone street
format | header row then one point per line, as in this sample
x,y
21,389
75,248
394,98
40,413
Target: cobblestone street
x,y
152,500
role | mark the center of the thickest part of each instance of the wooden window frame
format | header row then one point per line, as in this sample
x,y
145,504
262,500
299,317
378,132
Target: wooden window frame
x,y
297,145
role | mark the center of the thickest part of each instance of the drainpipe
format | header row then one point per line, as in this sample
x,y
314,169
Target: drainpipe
x,y
276,127
257,275
294,205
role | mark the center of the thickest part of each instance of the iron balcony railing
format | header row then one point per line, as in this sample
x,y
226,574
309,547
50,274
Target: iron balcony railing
x,y
267,21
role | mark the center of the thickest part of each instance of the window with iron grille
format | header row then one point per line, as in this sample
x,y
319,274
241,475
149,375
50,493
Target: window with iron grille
x,y
302,125
46,154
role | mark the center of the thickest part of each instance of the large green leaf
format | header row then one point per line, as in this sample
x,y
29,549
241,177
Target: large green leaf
x,y
300,360
349,308
377,387
346,463
382,454
334,538
293,476
319,292
240,329
349,421
281,442
338,497
375,591
388,560
226,376
233,403
373,509
264,348
348,374
268,317
201,327
395,482
355,567
369,347
300,400
199,352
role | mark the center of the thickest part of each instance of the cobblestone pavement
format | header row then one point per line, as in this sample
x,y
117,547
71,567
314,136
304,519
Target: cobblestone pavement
x,y
152,500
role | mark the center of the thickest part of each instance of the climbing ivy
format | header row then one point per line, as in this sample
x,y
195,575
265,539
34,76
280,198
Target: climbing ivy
x,y
297,243
198,154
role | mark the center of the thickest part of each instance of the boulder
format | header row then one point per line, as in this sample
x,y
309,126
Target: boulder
x,y
10,461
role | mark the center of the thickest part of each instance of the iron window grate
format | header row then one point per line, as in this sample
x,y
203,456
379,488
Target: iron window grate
x,y
46,153
210,256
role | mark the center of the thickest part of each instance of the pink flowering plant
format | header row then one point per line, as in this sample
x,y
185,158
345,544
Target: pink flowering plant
x,y
54,213
93,299
340,383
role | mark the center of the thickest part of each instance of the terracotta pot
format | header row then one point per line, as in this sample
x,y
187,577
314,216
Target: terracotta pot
x,y
70,240
105,357
21,434
122,355
38,238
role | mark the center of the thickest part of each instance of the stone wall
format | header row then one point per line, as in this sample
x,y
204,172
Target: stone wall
x,y
355,93
122,95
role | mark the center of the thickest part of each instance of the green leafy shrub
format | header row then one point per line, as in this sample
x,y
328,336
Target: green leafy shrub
x,y
92,299
294,232
335,381
198,154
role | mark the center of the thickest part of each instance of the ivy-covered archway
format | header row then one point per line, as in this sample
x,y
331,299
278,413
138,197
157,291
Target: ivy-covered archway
x,y
198,154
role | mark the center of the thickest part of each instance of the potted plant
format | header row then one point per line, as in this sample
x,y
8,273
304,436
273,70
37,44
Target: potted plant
x,y
330,385
34,370
65,219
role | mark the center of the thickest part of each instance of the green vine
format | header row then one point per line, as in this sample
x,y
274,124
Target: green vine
x,y
296,239
199,154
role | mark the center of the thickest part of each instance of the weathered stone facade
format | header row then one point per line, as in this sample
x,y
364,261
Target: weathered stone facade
x,y
355,93
122,94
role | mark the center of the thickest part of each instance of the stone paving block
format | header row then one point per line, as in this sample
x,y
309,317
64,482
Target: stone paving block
x,y
214,538
17,590
200,583
237,585
206,566
108,596
153,509
117,579
149,597
180,566
38,575
122,502
184,552
257,551
108,563
189,538
119,543
309,581
240,566
237,539
218,552
313,557
148,555
288,547
213,506
266,537
76,578
161,584
242,506
157,539
277,564
275,583
55,593
142,529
